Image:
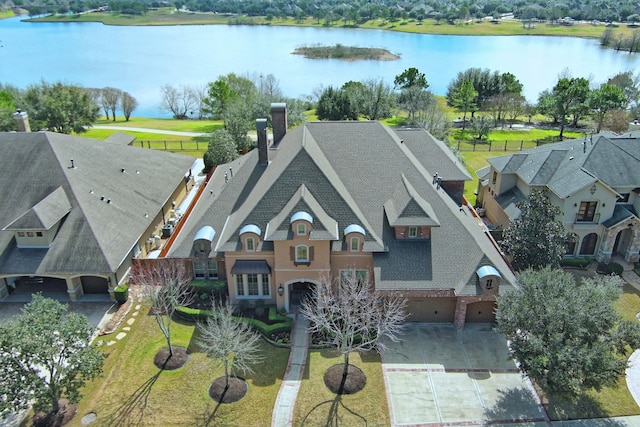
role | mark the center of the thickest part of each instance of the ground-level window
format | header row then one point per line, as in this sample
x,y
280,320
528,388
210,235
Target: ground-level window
x,y
198,269
588,246
252,285
570,244
212,269
361,276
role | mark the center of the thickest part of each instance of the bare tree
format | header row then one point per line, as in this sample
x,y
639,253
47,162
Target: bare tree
x,y
164,285
109,100
226,338
177,101
128,103
353,316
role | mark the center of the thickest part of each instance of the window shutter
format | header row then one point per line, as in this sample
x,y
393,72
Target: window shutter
x,y
311,253
292,253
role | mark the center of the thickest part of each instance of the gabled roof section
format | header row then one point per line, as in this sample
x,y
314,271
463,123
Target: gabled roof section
x,y
114,191
408,208
326,228
621,213
45,214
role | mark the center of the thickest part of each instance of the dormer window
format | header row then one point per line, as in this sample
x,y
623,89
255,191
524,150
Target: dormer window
x,y
301,223
355,244
249,236
203,239
413,232
301,229
249,244
488,277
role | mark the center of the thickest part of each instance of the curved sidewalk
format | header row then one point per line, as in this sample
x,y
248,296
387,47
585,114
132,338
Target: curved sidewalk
x,y
285,402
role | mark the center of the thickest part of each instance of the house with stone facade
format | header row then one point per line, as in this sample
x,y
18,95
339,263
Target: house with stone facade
x,y
594,181
329,200
74,212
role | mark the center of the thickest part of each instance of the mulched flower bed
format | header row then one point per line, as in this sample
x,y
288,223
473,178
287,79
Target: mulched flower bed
x,y
164,361
355,381
238,388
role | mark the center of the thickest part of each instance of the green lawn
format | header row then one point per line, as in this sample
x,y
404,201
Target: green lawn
x,y
199,126
134,392
317,406
168,16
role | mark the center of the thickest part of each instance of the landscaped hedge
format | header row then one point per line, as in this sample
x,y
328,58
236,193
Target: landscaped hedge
x,y
121,293
208,288
611,268
575,262
283,324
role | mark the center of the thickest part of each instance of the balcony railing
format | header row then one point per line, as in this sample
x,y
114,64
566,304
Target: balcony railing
x,y
587,219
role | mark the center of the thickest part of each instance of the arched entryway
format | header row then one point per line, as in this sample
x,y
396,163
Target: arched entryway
x,y
623,239
298,292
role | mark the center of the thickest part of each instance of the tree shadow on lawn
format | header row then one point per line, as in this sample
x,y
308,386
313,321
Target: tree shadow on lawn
x,y
132,410
336,413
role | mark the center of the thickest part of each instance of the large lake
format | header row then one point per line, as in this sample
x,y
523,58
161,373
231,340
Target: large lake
x,y
141,60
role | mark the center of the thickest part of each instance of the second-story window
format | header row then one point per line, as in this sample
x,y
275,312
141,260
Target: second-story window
x,y
301,229
250,244
587,211
355,244
302,253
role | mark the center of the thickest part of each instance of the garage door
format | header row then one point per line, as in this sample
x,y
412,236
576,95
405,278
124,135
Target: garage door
x,y
431,309
95,285
481,312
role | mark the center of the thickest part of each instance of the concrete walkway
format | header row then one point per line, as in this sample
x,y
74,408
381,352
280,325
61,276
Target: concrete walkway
x,y
146,130
286,400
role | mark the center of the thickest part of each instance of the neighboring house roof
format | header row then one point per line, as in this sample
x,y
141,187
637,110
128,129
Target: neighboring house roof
x,y
105,196
345,173
121,138
569,166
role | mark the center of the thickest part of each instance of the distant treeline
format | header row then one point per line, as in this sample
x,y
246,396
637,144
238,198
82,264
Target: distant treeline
x,y
349,53
359,11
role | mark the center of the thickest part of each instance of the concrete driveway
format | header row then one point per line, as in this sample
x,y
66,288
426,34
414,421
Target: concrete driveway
x,y
440,376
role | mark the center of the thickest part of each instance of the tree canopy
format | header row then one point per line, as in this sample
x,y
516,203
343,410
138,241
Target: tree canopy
x,y
537,238
222,149
45,354
566,336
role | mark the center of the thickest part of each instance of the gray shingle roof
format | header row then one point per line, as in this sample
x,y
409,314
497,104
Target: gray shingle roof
x,y
569,166
350,169
97,233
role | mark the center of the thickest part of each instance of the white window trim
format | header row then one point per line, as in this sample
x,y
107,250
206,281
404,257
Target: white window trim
x,y
245,286
301,226
350,273
351,241
302,260
253,244
414,234
196,270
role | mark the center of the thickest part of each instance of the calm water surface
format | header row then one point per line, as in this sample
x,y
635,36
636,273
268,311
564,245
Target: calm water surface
x,y
141,60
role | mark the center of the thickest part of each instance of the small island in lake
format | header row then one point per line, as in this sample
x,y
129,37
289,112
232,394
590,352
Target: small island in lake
x,y
345,53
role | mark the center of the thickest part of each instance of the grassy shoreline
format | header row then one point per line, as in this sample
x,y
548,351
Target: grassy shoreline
x,y
168,16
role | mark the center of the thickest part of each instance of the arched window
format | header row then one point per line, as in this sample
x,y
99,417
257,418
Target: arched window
x,y
570,244
588,246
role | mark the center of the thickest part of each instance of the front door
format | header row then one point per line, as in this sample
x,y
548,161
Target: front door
x,y
298,292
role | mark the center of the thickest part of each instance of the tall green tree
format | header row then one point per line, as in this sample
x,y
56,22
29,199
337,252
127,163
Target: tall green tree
x,y
221,149
7,108
565,336
603,101
536,238
570,95
60,108
379,100
464,100
45,355
413,95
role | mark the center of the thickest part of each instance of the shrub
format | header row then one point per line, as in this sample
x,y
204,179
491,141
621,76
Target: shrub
x,y
121,293
197,315
610,268
209,288
575,262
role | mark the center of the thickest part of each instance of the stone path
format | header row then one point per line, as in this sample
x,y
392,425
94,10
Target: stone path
x,y
286,400
130,321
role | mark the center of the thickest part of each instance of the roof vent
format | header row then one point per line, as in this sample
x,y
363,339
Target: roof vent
x,y
571,158
101,197
122,170
109,201
73,165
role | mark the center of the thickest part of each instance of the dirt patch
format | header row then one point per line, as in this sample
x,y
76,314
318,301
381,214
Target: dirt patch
x,y
58,419
167,362
355,381
237,389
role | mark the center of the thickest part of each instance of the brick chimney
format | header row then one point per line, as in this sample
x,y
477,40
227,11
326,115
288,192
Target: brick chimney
x,y
263,149
22,121
278,121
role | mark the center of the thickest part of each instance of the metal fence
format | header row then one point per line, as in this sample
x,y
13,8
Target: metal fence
x,y
173,145
506,145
